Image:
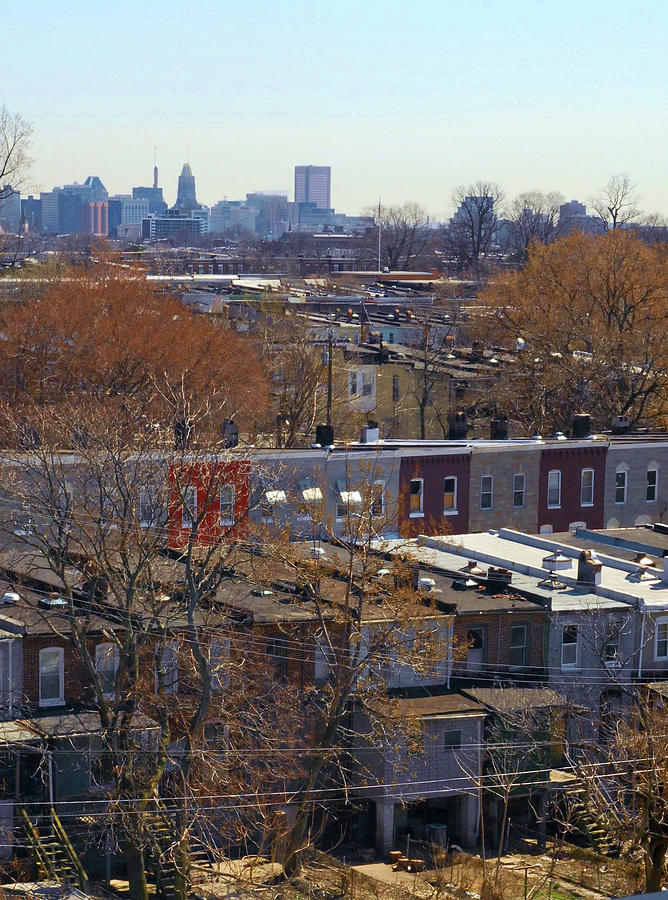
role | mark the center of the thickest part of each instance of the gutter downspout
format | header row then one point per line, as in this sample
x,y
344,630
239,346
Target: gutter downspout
x,y
642,643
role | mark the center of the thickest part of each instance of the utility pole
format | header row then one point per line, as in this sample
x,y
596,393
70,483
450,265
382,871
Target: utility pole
x,y
330,350
380,232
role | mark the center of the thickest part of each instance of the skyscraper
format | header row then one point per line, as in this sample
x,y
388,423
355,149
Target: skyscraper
x,y
313,184
186,198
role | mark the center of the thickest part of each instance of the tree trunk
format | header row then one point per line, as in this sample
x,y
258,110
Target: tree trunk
x,y
136,871
655,857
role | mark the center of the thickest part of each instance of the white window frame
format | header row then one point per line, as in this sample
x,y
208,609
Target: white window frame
x,y
484,492
53,701
229,488
521,490
418,513
584,472
102,654
576,644
450,510
660,622
552,472
654,468
189,506
622,469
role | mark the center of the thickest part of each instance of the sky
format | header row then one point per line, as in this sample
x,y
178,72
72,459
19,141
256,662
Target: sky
x,y
405,101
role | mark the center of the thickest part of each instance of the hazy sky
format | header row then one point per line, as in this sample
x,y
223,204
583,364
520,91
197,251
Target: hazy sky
x,y
404,100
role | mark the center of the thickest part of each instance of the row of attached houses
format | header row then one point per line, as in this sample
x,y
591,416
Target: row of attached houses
x,y
457,487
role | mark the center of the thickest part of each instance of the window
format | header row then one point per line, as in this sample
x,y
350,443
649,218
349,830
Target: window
x,y
106,664
518,645
417,497
569,647
519,487
170,669
277,652
661,639
352,384
554,489
486,492
269,501
189,509
219,664
396,390
146,508
377,499
452,740
475,655
349,501
611,647
51,676
449,495
652,485
390,337
587,487
367,384
227,504
621,484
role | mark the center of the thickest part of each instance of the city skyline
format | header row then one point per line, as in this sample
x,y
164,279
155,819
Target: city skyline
x,y
405,108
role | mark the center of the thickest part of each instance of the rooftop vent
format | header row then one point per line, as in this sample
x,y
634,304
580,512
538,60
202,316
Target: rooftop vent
x,y
620,425
10,598
53,601
370,433
425,583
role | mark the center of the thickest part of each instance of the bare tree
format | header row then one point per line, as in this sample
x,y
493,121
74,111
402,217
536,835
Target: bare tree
x,y
404,234
15,140
617,203
470,232
533,216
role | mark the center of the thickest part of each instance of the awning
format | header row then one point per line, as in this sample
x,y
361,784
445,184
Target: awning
x,y
274,496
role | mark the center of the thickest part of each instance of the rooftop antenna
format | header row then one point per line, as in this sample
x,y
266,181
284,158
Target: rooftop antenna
x,y
380,232
155,167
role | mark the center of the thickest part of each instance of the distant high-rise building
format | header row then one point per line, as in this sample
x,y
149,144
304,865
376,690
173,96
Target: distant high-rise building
x,y
95,217
313,184
10,209
186,198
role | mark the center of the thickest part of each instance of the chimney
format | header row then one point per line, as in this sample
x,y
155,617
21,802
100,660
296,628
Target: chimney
x,y
230,434
324,435
183,432
457,426
581,425
589,569
498,429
